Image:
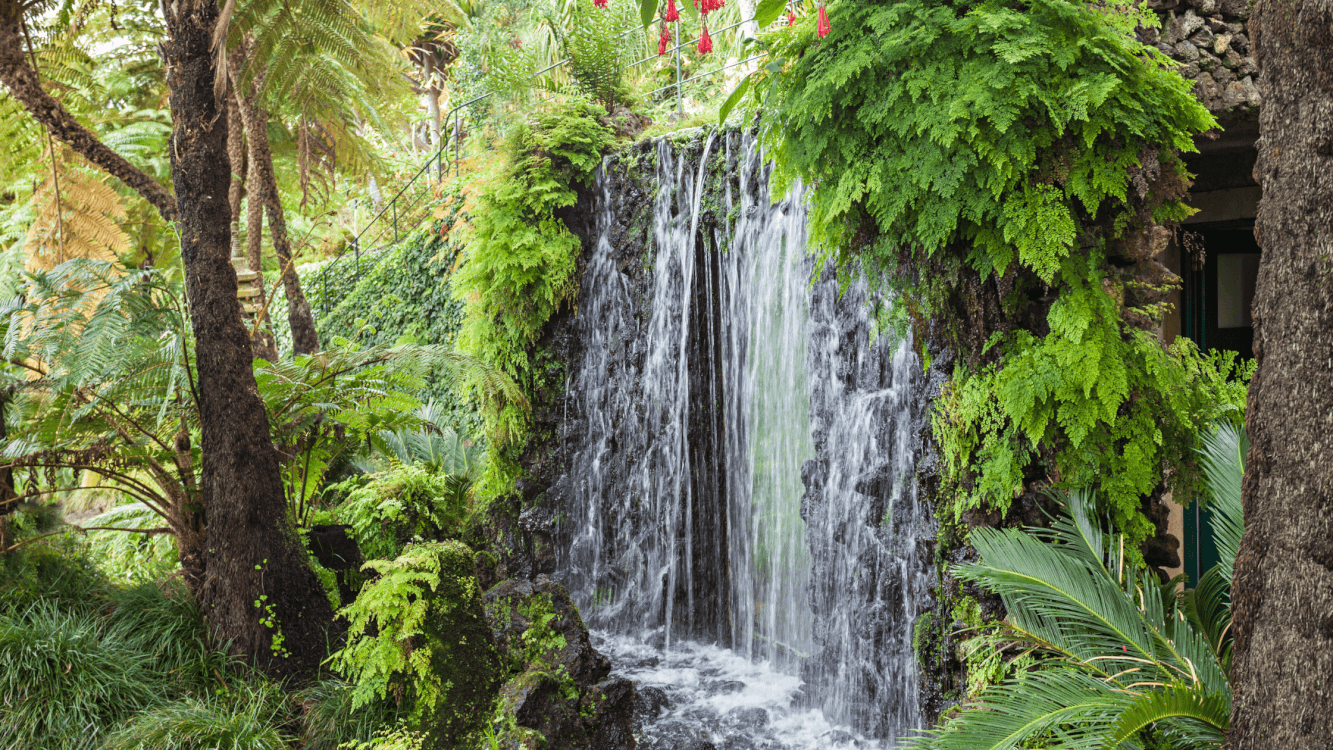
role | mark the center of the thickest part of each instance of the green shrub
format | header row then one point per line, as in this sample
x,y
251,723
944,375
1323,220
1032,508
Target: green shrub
x,y
398,506
247,717
129,557
55,570
74,665
329,721
1096,651
66,676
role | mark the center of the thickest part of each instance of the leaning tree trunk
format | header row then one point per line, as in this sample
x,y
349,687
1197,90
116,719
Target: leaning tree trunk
x,y
262,339
1283,591
258,593
304,338
21,80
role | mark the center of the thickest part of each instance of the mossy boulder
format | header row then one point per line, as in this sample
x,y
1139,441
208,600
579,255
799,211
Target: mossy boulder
x,y
557,688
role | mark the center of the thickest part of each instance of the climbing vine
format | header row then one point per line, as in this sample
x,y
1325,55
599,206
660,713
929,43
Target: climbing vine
x,y
1009,169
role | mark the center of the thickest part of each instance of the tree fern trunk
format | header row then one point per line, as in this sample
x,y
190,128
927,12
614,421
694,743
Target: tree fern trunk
x,y
262,341
22,82
255,585
304,338
1283,590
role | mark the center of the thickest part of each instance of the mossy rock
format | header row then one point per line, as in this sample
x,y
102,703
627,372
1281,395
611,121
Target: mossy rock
x,y
464,659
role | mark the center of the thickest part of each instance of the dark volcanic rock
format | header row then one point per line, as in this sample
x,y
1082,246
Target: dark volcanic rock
x,y
559,688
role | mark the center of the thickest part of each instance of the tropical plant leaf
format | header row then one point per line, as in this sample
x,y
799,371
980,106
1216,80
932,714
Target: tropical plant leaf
x,y
1223,456
1211,709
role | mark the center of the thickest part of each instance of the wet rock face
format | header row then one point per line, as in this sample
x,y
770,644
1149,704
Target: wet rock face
x,y
558,687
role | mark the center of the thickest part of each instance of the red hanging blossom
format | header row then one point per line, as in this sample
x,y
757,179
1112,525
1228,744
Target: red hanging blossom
x,y
705,42
708,6
824,28
599,3
671,15
664,41
516,43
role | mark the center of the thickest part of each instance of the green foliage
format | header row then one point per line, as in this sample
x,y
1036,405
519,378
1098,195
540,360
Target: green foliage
x,y
1115,403
519,261
995,131
68,674
401,505
418,635
329,721
593,42
129,557
1034,142
1116,656
248,717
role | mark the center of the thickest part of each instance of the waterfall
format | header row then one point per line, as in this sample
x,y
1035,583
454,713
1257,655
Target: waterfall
x,y
740,458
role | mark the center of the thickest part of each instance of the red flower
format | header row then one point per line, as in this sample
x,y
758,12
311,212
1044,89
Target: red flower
x,y
791,19
671,15
516,43
705,42
708,6
824,28
664,41
599,3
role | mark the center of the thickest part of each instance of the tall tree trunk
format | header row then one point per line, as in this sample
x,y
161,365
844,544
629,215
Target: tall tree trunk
x,y
1283,590
21,80
259,593
265,347
304,338
432,97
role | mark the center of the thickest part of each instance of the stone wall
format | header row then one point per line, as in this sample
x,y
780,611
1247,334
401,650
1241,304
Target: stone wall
x,y
1211,42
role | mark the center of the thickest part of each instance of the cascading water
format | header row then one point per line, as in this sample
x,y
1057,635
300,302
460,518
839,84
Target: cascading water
x,y
740,510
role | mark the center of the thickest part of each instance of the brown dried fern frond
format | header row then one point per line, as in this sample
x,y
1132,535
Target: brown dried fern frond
x,y
81,220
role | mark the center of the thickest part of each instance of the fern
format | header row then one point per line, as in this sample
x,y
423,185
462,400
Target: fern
x,y
519,259
1001,139
400,627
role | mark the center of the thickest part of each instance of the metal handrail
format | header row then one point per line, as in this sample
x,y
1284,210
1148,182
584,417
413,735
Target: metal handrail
x,y
455,136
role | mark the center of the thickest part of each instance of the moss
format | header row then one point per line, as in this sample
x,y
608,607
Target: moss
x,y
925,639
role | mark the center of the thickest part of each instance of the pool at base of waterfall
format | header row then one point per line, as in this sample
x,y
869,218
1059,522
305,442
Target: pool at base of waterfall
x,y
704,697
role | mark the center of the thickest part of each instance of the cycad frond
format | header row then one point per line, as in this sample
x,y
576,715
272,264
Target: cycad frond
x,y
1077,707
1223,456
1210,714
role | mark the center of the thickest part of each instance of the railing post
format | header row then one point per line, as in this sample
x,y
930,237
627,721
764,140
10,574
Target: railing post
x,y
680,106
458,136
356,248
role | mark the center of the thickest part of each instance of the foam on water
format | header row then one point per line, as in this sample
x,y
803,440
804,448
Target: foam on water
x,y
715,695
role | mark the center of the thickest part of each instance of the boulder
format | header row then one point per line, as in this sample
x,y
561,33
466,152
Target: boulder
x,y
557,686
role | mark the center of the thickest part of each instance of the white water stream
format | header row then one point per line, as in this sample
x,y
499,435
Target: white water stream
x,y
742,517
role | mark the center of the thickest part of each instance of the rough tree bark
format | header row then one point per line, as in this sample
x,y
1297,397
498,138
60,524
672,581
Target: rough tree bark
x,y
262,339
304,338
21,80
1283,590
259,592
